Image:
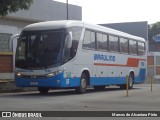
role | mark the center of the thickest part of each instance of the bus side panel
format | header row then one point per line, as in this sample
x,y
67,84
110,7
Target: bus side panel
x,y
140,78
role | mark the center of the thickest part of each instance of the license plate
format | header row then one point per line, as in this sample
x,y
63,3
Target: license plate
x,y
33,83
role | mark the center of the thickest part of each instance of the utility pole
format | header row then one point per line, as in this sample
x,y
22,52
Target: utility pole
x,y
67,8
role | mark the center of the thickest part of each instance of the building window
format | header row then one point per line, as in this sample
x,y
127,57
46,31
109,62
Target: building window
x,y
157,60
4,40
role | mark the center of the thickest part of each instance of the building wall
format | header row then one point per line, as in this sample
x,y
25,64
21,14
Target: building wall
x,y
153,64
44,10
157,70
150,60
150,65
8,27
6,63
11,22
154,46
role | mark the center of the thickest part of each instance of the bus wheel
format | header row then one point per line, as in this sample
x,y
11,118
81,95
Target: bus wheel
x,y
99,87
43,90
83,84
130,82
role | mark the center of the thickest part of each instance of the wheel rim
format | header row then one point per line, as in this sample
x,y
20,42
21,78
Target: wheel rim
x,y
83,83
130,81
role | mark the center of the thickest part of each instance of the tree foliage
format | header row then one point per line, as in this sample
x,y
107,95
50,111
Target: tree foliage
x,y
10,6
153,29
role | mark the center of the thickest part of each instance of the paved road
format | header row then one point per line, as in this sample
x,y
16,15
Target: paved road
x,y
111,99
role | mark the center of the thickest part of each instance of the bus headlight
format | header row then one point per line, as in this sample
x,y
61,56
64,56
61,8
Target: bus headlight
x,y
18,74
50,74
54,73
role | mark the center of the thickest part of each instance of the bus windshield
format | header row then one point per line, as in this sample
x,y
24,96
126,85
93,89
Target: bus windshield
x,y
40,49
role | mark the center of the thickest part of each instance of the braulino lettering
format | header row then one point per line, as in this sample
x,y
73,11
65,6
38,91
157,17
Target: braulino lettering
x,y
104,57
99,57
114,58
95,56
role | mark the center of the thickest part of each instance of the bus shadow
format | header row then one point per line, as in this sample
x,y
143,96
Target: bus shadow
x,y
61,92
108,89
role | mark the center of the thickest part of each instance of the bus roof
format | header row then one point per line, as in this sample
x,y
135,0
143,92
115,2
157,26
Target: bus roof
x,y
48,25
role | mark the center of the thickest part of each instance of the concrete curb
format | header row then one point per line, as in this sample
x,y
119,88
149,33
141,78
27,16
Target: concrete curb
x,y
8,86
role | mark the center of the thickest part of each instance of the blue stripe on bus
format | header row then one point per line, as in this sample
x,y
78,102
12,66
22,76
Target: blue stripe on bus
x,y
75,82
107,80
47,82
141,76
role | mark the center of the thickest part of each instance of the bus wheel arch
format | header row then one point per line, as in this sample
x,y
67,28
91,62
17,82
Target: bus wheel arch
x,y
86,72
84,81
130,80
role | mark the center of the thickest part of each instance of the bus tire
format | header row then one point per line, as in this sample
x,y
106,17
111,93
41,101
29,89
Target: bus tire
x,y
99,87
130,82
83,84
43,90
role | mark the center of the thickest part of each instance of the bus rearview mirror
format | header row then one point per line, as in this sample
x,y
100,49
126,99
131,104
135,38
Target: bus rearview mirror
x,y
14,36
69,42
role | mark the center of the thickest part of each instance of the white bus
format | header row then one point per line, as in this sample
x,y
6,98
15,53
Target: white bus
x,y
73,54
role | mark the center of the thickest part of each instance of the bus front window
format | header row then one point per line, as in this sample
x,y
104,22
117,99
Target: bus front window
x,y
39,49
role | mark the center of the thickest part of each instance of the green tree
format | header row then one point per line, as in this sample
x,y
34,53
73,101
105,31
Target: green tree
x,y
10,6
153,29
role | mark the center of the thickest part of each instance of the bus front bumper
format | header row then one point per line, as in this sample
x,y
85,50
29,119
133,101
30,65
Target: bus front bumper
x,y
57,81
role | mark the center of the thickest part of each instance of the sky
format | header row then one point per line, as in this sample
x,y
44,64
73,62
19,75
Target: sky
x,y
115,11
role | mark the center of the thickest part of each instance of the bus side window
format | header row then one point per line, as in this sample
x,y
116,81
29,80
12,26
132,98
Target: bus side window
x,y
99,41
113,43
76,34
105,42
89,40
141,48
133,47
102,42
123,45
71,52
